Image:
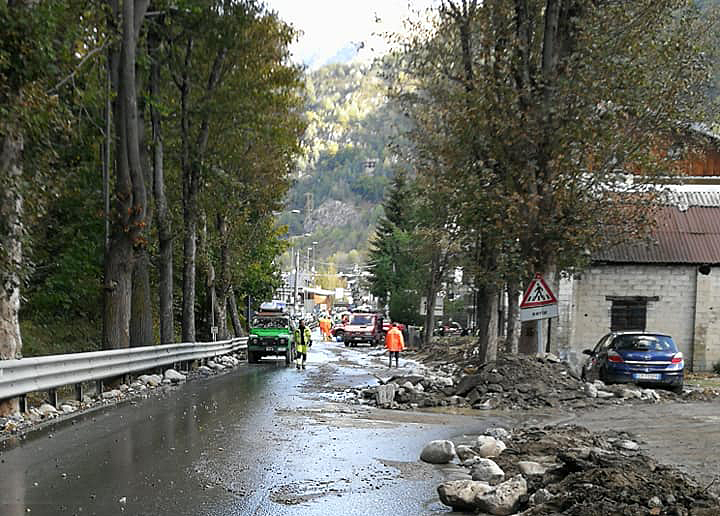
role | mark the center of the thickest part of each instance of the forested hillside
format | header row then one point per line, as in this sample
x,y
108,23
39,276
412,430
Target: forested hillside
x,y
342,177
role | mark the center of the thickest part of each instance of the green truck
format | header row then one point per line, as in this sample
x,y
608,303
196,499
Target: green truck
x,y
271,334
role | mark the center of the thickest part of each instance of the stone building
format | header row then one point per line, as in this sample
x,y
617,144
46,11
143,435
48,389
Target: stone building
x,y
669,283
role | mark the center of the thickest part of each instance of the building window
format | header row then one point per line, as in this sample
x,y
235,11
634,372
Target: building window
x,y
628,314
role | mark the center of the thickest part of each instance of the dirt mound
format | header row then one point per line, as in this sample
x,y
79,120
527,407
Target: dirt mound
x,y
600,475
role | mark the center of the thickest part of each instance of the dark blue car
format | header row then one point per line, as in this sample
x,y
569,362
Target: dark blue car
x,y
636,357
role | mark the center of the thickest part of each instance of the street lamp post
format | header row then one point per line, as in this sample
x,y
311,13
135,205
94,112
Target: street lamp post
x,y
314,262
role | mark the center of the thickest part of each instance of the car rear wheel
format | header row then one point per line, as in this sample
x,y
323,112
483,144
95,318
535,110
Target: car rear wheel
x,y
677,389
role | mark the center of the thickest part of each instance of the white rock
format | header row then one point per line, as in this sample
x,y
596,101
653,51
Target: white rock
x,y
529,468
461,494
626,444
488,447
204,370
150,380
650,394
67,409
599,384
503,499
498,433
487,470
444,381
214,365
46,410
166,381
655,502
540,496
174,376
629,393
485,405
87,400
114,393
604,394
591,391
419,387
408,386
438,452
123,387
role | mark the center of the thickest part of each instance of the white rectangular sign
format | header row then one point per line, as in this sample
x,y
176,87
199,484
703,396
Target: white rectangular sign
x,y
539,312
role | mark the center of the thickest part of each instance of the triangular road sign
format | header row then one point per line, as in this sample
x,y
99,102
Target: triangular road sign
x,y
538,294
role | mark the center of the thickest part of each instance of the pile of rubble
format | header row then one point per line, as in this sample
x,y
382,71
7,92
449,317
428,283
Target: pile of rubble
x,y
18,424
564,470
511,382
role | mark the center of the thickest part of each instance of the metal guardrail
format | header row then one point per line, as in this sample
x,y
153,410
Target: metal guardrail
x,y
21,376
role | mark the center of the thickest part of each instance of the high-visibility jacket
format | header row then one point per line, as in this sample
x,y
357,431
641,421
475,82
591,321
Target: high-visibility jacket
x,y
301,348
394,340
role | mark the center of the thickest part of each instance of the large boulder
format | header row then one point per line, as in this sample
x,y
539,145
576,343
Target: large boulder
x,y
438,452
468,383
487,470
502,500
461,494
488,447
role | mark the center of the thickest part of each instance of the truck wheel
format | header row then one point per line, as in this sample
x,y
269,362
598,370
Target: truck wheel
x,y
252,357
288,356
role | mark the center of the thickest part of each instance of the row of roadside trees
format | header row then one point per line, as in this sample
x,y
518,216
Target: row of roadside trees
x,y
196,113
526,118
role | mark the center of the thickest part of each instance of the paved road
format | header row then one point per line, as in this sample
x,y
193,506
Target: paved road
x,y
262,439
270,440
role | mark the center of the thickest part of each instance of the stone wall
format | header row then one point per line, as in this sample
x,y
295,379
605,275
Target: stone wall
x,y
706,348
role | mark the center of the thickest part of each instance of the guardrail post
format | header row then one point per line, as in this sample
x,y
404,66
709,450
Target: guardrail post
x,y
22,402
79,391
99,387
53,397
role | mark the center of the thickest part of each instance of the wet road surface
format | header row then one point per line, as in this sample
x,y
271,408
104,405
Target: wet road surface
x,y
271,440
260,440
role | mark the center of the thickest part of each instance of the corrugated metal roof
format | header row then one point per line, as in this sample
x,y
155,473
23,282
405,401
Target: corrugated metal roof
x,y
688,234
683,199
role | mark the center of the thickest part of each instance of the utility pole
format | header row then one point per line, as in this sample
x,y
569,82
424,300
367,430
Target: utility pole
x,y
295,294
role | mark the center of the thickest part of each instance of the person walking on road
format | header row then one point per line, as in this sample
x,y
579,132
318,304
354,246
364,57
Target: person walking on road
x,y
302,339
395,343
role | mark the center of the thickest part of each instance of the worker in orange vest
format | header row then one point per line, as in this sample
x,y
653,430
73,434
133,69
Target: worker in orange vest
x,y
395,343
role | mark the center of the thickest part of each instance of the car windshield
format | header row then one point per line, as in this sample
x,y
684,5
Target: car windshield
x,y
644,343
270,322
361,319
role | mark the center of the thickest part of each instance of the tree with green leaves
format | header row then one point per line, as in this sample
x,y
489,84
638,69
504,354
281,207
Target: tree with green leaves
x,y
527,113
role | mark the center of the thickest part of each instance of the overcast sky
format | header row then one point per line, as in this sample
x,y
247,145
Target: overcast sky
x,y
330,27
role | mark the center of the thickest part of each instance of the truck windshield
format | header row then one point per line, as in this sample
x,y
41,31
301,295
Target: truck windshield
x,y
270,322
361,319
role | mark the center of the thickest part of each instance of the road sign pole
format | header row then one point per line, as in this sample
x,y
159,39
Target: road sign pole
x,y
539,336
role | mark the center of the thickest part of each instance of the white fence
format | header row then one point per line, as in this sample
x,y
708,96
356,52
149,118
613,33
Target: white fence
x,y
19,377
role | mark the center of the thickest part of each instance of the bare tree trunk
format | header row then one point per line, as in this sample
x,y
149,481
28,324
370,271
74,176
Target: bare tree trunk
x,y
191,166
141,321
487,310
130,193
11,230
513,327
234,316
223,278
164,223
431,293
141,324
